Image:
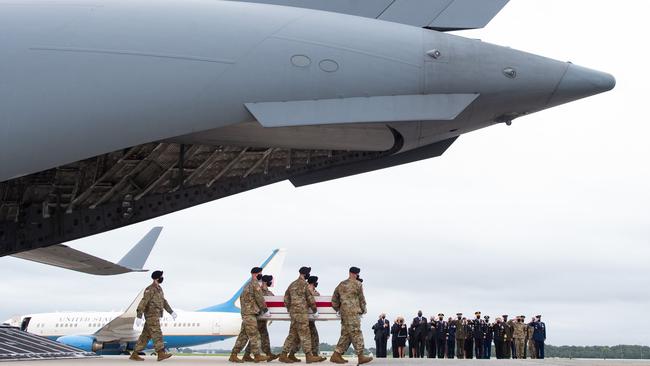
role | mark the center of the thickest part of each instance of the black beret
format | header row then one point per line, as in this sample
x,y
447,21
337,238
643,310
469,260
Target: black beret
x,y
156,274
312,279
267,278
355,270
304,270
256,270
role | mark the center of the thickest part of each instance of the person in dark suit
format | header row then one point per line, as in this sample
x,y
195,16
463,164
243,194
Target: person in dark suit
x,y
539,336
402,334
394,330
499,333
420,334
452,326
381,329
411,337
431,338
480,328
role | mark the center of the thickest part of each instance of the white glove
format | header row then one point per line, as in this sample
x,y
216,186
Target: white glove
x,y
174,315
267,314
316,315
138,322
338,314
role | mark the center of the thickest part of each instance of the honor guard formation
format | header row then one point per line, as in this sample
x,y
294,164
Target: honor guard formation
x,y
348,301
462,337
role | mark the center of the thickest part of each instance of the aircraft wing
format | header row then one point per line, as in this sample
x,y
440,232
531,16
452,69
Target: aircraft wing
x,y
442,15
121,328
65,257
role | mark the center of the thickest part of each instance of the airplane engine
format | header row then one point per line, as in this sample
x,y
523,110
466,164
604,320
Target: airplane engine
x,y
85,343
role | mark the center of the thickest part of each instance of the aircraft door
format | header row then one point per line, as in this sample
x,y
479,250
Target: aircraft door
x,y
216,328
25,323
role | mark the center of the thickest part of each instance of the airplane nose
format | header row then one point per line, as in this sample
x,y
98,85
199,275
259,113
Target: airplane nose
x,y
580,82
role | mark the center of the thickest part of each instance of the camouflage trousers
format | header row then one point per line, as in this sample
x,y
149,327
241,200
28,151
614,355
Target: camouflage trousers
x,y
532,352
520,345
460,348
315,342
249,333
298,333
151,330
265,342
350,334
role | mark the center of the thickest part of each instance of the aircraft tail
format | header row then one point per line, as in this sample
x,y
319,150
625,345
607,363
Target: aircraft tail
x,y
137,256
272,265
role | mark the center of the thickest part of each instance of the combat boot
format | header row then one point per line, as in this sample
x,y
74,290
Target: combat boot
x,y
292,357
260,358
163,355
337,358
284,358
247,358
312,358
135,357
271,356
364,359
234,358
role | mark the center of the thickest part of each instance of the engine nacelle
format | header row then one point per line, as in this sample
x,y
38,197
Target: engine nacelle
x,y
85,343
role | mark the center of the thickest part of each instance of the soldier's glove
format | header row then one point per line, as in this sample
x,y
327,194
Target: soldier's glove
x,y
316,315
267,314
338,314
174,315
138,322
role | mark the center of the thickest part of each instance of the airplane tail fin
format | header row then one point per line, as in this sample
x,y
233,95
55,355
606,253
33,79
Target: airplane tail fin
x,y
137,256
272,265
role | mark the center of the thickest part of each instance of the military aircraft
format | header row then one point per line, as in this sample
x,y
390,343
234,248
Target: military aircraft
x,y
113,112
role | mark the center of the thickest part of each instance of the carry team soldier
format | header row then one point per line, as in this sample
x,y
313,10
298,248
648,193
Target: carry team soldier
x,y
312,283
262,326
252,304
151,306
519,335
480,328
348,300
299,300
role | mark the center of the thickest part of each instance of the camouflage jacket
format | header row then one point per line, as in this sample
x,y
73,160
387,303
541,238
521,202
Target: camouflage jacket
x,y
153,303
252,299
519,330
529,331
267,292
348,298
314,292
298,299
509,329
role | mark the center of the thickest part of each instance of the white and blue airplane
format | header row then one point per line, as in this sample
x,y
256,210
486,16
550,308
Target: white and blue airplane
x,y
115,332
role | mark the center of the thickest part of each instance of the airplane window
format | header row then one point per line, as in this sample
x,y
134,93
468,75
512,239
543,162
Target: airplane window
x,y
56,325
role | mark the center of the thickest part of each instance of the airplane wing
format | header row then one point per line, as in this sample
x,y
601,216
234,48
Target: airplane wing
x,y
69,258
121,328
442,15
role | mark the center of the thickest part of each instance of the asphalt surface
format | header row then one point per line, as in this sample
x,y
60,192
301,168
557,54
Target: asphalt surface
x,y
201,360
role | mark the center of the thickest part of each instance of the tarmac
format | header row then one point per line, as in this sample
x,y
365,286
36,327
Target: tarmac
x,y
218,360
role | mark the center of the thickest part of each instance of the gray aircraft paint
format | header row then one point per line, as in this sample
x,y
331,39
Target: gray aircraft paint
x,y
80,80
92,79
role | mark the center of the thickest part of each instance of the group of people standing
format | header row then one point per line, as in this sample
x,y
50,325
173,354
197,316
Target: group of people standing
x,y
348,300
461,337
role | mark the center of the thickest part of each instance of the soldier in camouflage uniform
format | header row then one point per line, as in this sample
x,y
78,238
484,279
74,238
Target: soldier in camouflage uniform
x,y
461,335
507,340
348,300
262,326
532,352
151,306
312,283
252,304
519,335
299,300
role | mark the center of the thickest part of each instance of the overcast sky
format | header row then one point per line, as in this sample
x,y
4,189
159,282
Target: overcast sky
x,y
549,216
